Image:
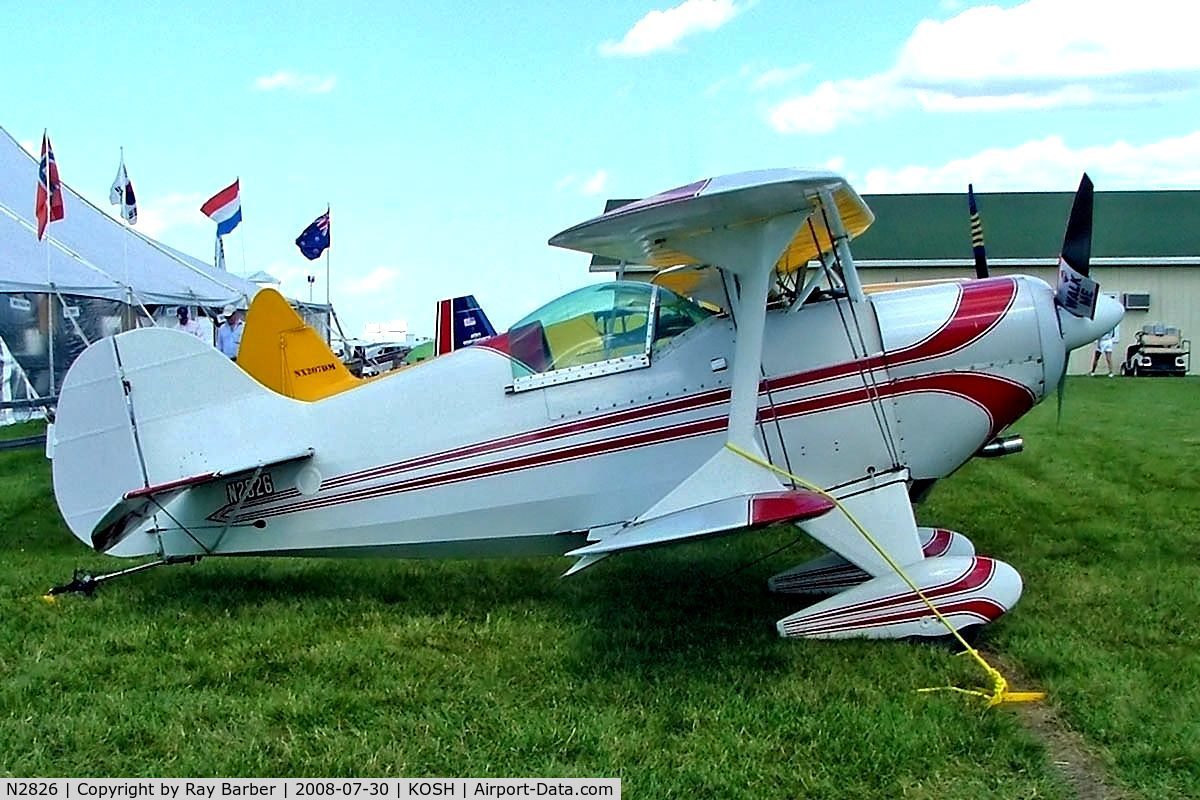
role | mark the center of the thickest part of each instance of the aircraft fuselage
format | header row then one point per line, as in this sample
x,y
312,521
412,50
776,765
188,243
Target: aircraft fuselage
x,y
444,459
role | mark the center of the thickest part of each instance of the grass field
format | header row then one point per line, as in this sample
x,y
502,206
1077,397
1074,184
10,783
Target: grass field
x,y
660,668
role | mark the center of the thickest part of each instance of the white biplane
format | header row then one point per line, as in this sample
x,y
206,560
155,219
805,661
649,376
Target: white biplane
x,y
619,417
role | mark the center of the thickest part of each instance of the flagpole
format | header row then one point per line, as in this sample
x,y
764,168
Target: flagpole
x,y
125,247
49,279
49,299
328,293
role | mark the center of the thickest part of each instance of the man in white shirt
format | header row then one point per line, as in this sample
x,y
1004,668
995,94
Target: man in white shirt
x,y
189,325
229,334
1105,345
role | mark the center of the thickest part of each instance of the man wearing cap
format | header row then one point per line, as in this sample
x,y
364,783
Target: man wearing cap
x,y
188,325
229,334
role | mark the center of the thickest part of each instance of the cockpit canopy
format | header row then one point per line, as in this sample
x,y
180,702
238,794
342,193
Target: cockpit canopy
x,y
597,330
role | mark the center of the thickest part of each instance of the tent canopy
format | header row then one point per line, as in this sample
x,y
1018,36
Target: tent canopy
x,y
91,253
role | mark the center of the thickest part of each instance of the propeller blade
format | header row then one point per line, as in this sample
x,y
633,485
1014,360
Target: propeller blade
x,y
981,267
1077,293
1077,243
1062,388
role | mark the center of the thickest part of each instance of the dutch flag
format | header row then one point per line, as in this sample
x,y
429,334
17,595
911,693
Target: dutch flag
x,y
225,208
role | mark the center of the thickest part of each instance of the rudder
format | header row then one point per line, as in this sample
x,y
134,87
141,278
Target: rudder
x,y
287,356
153,406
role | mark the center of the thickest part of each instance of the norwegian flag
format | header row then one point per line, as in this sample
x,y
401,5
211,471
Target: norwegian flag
x,y
315,238
48,203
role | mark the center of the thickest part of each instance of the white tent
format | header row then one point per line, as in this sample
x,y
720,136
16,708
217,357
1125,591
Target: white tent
x,y
90,276
92,254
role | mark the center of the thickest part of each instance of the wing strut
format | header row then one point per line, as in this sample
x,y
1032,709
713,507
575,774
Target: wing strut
x,y
748,251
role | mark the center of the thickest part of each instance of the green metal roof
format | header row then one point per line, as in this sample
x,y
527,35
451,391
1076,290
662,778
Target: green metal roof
x,y
1149,224
1020,225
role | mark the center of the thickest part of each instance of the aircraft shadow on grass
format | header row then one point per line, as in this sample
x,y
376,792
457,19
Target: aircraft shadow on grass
x,y
636,610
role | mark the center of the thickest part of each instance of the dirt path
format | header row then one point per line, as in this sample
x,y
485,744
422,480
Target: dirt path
x,y
1069,752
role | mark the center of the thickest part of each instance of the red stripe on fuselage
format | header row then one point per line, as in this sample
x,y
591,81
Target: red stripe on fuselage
x,y
949,383
1003,400
980,307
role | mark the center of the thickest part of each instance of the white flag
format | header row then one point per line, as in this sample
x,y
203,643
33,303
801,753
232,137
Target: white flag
x,y
121,194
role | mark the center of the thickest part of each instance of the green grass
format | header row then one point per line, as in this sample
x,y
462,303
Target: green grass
x,y
660,668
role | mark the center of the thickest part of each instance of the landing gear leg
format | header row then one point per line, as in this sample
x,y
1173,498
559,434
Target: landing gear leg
x,y
85,583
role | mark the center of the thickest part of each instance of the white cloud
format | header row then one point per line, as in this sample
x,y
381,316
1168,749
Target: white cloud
x,y
758,78
564,182
295,82
1038,55
374,281
159,214
595,184
832,104
777,76
836,164
31,147
662,30
1051,164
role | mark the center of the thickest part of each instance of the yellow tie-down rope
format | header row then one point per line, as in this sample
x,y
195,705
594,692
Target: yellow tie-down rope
x,y
1000,692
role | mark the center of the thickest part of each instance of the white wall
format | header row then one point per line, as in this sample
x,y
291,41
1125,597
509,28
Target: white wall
x,y
1174,297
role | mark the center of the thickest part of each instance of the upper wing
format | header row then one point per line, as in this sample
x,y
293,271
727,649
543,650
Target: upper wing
x,y
654,231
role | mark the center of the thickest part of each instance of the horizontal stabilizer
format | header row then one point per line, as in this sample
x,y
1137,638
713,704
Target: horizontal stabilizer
x,y
124,516
720,516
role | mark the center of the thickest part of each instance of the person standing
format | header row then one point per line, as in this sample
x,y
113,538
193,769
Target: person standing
x,y
229,334
188,325
1104,345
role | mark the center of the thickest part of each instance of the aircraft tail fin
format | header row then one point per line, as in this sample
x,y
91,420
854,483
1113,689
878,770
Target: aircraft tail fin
x,y
287,356
153,411
460,321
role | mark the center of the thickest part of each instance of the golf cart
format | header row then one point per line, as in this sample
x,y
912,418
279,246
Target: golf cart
x,y
1157,350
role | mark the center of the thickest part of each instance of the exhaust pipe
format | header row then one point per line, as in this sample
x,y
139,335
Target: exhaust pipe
x,y
1002,446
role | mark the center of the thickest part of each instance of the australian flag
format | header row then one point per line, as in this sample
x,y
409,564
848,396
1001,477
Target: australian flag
x,y
315,238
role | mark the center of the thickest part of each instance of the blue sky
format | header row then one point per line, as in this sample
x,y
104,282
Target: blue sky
x,y
452,139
